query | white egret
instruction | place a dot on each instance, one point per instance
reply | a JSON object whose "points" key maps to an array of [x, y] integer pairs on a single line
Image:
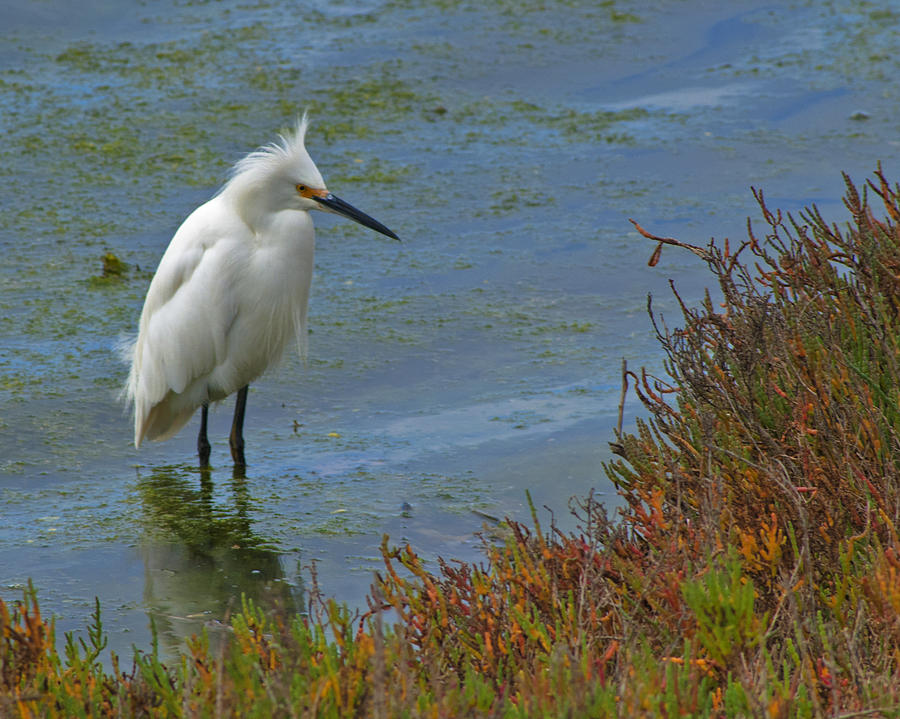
{"points": [[230, 293]]}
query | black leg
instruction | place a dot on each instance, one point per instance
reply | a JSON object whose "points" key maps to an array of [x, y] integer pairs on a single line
{"points": [[237, 428], [202, 441]]}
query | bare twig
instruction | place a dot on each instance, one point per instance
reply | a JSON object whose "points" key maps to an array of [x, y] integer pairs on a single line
{"points": [[622, 398], [704, 255]]}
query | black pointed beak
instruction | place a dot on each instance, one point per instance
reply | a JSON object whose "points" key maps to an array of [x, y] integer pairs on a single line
{"points": [[338, 206]]}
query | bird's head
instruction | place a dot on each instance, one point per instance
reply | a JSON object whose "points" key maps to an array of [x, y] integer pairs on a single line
{"points": [[284, 176]]}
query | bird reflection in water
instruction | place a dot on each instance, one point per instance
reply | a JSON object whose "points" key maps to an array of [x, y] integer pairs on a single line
{"points": [[201, 555]]}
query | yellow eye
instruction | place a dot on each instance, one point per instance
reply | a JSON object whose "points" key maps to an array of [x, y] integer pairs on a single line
{"points": [[301, 189]]}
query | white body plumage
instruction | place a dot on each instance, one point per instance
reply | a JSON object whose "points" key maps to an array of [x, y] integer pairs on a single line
{"points": [[232, 289]]}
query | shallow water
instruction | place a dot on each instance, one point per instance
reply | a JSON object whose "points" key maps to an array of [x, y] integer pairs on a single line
{"points": [[507, 144]]}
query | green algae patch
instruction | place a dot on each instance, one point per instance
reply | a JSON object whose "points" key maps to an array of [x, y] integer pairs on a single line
{"points": [[371, 171], [113, 266], [518, 122]]}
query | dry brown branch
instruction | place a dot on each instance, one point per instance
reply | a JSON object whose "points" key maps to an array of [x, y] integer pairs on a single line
{"points": [[703, 254]]}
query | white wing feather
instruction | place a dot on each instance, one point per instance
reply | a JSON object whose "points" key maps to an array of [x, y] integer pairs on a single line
{"points": [[210, 325], [183, 328]]}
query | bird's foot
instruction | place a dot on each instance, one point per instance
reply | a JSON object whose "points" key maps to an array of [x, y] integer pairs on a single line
{"points": [[237, 452], [203, 450]]}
